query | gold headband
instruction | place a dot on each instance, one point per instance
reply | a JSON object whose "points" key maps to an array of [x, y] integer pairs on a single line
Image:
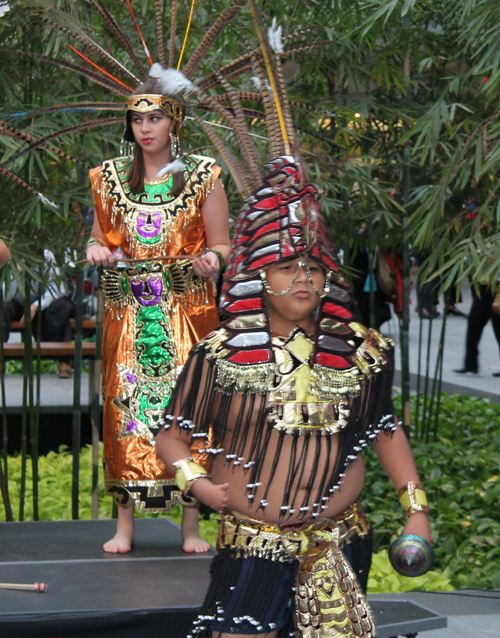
{"points": [[152, 102]]}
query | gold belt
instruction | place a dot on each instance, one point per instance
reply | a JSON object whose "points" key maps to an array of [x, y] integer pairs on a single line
{"points": [[251, 537], [329, 601]]}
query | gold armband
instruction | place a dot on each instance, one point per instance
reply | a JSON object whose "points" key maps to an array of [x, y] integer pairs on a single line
{"points": [[188, 472], [413, 499]]}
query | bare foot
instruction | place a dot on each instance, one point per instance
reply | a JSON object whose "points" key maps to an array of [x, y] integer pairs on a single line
{"points": [[194, 543], [122, 541], [190, 527]]}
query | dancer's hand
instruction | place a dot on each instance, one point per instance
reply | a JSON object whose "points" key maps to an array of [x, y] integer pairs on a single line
{"points": [[215, 496], [98, 255], [418, 524], [207, 265]]}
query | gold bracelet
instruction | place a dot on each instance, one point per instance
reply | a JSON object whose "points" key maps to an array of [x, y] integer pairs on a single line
{"points": [[96, 240], [188, 473], [413, 499]]}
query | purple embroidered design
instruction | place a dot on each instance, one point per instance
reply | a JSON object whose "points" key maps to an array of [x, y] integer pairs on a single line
{"points": [[147, 292], [148, 224]]}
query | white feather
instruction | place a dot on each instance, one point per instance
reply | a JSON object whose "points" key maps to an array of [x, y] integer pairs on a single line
{"points": [[256, 81], [172, 167], [172, 82], [274, 36], [4, 7], [47, 202]]}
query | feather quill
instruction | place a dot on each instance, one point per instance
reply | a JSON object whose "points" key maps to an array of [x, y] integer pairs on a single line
{"points": [[4, 171], [244, 63], [118, 33], [92, 46], [211, 36], [241, 131], [159, 33], [90, 75], [9, 131], [230, 160], [77, 106], [65, 131], [173, 29]]}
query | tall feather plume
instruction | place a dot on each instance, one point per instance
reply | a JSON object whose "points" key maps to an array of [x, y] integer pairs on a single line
{"points": [[92, 46], [159, 33], [90, 75], [268, 62], [118, 33], [276, 145], [276, 44], [241, 130], [211, 36], [230, 160], [65, 131], [173, 29], [9, 131]]}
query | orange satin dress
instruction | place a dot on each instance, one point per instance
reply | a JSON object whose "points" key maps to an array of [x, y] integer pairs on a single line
{"points": [[154, 313]]}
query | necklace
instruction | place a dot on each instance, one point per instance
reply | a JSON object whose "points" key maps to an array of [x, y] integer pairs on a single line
{"points": [[155, 182]]}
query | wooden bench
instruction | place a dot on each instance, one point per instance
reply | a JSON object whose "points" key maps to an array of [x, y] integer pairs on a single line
{"points": [[50, 350], [88, 324]]}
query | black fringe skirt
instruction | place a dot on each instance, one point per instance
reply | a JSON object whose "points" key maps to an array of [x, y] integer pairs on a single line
{"points": [[255, 596]]}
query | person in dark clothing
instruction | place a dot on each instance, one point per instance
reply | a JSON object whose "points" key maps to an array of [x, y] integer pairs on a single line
{"points": [[480, 313], [57, 308]]}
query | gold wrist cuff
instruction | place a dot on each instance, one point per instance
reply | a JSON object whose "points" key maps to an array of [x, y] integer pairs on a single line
{"points": [[187, 473], [413, 499]]}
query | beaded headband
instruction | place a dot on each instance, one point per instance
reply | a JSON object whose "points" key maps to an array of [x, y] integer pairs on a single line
{"points": [[153, 102]]}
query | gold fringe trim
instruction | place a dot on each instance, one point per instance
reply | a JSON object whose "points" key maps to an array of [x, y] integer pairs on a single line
{"points": [[244, 379]]}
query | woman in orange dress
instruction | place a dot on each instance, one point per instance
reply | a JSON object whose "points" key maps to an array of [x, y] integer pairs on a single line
{"points": [[155, 309]]}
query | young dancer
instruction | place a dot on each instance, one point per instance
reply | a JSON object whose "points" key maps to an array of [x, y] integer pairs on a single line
{"points": [[286, 394], [156, 309]]}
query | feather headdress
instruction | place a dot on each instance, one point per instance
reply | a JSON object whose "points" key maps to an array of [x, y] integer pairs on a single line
{"points": [[101, 65]]}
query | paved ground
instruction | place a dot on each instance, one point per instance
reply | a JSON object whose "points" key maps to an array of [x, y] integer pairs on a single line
{"points": [[471, 613], [482, 384]]}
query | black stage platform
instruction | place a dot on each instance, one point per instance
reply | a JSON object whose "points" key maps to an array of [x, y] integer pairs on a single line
{"points": [[153, 591]]}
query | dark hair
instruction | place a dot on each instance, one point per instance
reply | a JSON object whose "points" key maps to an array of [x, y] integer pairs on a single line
{"points": [[137, 170]]}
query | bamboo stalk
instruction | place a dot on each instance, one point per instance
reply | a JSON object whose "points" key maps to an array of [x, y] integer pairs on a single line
{"points": [[439, 371], [405, 323], [77, 377], [38, 587], [28, 350], [95, 408], [35, 411], [4, 476], [417, 406], [426, 385]]}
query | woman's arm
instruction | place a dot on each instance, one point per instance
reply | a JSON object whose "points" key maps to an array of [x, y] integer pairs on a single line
{"points": [[4, 252], [98, 254], [395, 456], [215, 213]]}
